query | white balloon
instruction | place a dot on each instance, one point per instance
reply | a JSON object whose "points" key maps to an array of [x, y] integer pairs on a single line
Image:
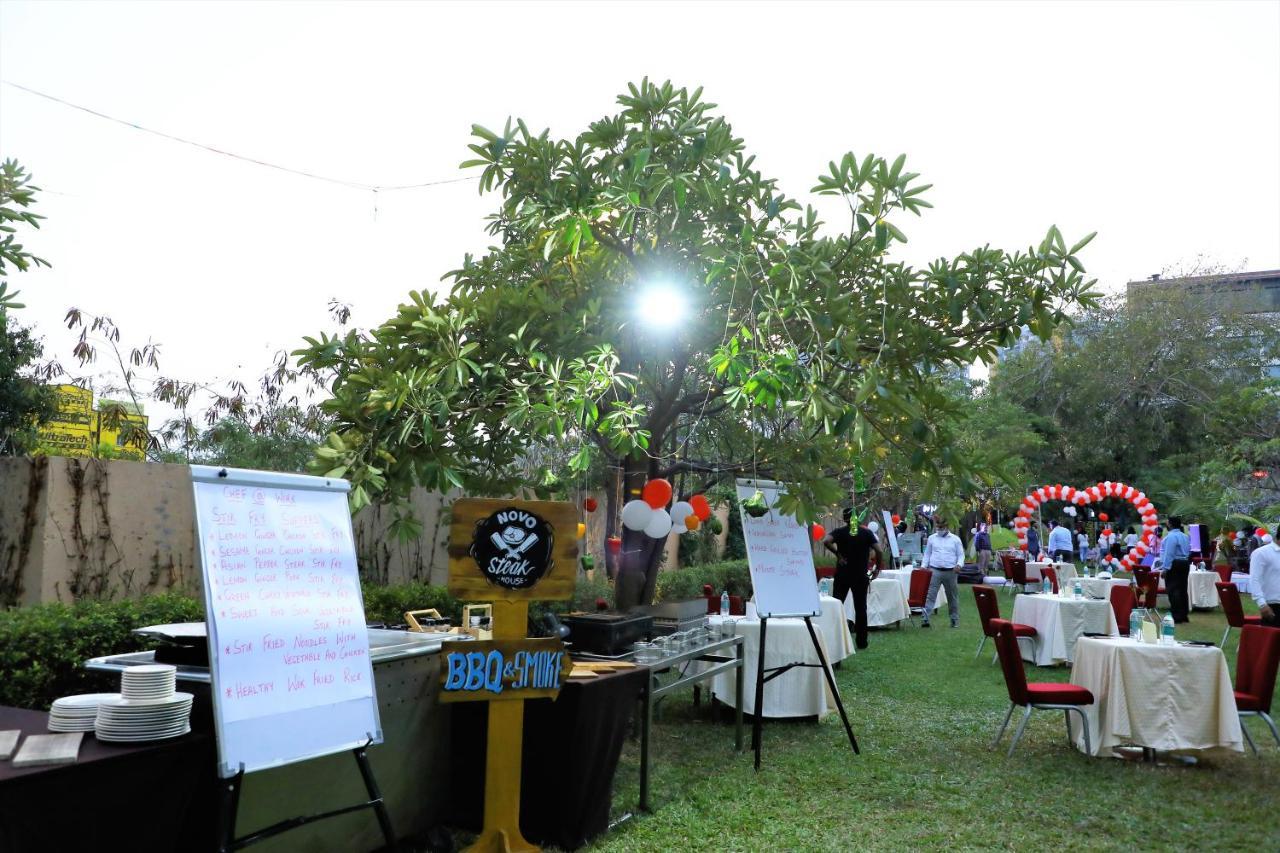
{"points": [[873, 526], [659, 525], [680, 510], [636, 515]]}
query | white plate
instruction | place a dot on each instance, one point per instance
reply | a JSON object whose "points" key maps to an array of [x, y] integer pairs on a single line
{"points": [[84, 700], [139, 739], [152, 669], [147, 703], [71, 726], [112, 725]]}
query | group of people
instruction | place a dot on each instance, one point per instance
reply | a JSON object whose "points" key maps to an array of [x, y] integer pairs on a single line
{"points": [[1066, 545], [944, 556]]}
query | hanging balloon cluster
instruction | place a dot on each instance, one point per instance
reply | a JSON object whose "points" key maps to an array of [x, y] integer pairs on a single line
{"points": [[648, 514], [1083, 497]]}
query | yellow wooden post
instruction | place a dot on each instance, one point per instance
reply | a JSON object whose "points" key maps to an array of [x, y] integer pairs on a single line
{"points": [[504, 757]]}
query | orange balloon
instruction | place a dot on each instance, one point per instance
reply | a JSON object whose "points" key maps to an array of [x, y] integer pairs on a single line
{"points": [[656, 493], [701, 506], [692, 522]]}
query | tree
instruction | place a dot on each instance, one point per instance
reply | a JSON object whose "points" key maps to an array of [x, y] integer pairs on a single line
{"points": [[803, 350], [25, 402], [286, 441]]}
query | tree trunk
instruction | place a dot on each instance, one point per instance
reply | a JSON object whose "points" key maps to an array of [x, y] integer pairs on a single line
{"points": [[637, 567]]}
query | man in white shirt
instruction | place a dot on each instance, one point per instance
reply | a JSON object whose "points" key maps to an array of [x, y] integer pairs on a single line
{"points": [[1264, 577], [943, 556], [1060, 544]]}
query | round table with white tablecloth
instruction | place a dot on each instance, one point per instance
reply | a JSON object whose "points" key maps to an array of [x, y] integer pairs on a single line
{"points": [[1243, 583], [1201, 590], [886, 603], [903, 577], [1170, 698], [1101, 587], [1059, 621], [801, 691], [1064, 571]]}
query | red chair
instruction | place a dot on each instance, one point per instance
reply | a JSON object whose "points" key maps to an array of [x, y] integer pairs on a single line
{"points": [[1051, 696], [826, 572], [1052, 574], [1256, 662], [1018, 573], [1230, 598], [989, 611], [919, 591], [1224, 572], [737, 607], [1123, 602], [1148, 591]]}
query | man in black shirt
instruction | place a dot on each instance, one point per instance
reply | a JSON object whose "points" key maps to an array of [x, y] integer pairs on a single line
{"points": [[853, 547]]}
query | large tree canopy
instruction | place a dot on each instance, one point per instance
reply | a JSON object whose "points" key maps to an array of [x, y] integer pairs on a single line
{"points": [[806, 348]]}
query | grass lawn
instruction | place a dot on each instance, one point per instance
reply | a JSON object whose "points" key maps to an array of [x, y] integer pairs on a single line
{"points": [[924, 712]]}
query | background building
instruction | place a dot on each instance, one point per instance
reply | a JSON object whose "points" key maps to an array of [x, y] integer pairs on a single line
{"points": [[114, 429]]}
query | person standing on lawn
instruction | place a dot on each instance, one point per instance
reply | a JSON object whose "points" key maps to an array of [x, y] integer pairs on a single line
{"points": [[1264, 575], [1175, 556], [1061, 548], [852, 547], [982, 545], [943, 555]]}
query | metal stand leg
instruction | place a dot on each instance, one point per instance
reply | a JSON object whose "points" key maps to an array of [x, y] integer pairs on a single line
{"points": [[228, 805], [831, 683], [756, 734], [375, 797], [1266, 718], [1248, 737], [737, 690], [646, 716]]}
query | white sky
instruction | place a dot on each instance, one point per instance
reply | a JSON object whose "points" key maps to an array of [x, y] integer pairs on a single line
{"points": [[1156, 124]]}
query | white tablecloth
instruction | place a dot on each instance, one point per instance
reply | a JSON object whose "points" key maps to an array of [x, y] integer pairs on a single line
{"points": [[886, 603], [1101, 587], [1065, 571], [1059, 621], [1243, 583], [903, 577], [1201, 589], [1170, 698], [801, 691]]}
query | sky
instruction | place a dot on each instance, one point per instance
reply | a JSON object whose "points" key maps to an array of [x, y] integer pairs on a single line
{"points": [[1155, 124]]}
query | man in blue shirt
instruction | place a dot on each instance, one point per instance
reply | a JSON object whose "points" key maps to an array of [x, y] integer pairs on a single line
{"points": [[1061, 548], [1175, 556]]}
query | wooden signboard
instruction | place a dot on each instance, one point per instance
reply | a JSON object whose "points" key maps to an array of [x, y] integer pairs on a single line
{"points": [[495, 670], [509, 550]]}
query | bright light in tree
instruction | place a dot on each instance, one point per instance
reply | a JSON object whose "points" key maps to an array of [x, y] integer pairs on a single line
{"points": [[661, 306]]}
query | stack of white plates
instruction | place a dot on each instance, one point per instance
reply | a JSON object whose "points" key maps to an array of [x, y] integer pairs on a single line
{"points": [[77, 713], [130, 720], [150, 681]]}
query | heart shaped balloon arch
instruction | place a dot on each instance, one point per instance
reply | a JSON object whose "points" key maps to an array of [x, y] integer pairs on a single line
{"points": [[1083, 497]]}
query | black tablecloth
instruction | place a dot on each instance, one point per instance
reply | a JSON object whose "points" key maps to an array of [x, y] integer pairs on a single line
{"points": [[139, 797], [571, 749]]}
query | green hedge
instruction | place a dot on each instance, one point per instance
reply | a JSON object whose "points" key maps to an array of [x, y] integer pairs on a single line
{"points": [[687, 582], [43, 648]]}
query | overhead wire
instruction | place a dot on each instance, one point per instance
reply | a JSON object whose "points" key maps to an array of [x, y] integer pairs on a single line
{"points": [[356, 185]]}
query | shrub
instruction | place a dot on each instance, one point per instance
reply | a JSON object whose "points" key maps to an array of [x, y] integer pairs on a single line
{"points": [[388, 604], [43, 648], [687, 582]]}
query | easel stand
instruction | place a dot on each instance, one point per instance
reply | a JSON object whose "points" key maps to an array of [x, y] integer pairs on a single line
{"points": [[757, 727], [229, 803]]}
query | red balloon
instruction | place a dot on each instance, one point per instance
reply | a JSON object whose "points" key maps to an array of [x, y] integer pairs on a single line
{"points": [[1102, 516], [819, 532], [1261, 531], [656, 493], [897, 519], [590, 504], [1106, 531], [701, 507]]}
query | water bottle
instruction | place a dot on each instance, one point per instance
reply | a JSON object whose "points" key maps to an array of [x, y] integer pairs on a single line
{"points": [[1045, 586], [724, 603], [1086, 571], [1135, 625], [1167, 630], [1079, 589]]}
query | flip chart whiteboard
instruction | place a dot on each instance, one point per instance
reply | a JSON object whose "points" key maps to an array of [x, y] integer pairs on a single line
{"points": [[780, 556], [288, 646], [892, 533]]}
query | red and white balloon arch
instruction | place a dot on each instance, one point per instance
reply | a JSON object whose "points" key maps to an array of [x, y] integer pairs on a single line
{"points": [[1084, 497]]}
